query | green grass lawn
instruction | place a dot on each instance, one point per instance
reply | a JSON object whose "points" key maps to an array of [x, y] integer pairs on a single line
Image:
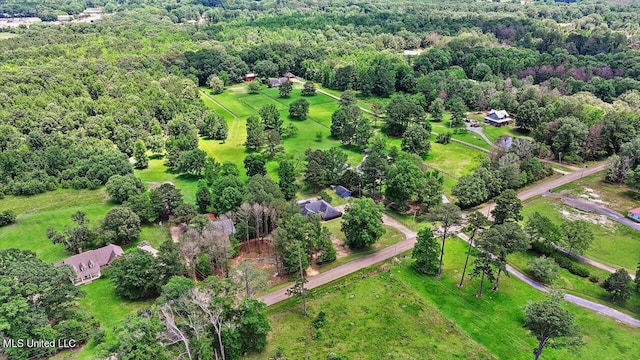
{"points": [[469, 136], [102, 302], [367, 316], [377, 317], [579, 286], [454, 159], [37, 212], [615, 245], [617, 197], [5, 35], [495, 320], [493, 132], [157, 172], [391, 237]]}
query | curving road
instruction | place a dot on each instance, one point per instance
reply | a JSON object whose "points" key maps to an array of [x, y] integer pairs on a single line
{"points": [[355, 265], [593, 306], [409, 241]]}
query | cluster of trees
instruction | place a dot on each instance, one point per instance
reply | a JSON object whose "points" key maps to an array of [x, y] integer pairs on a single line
{"points": [[266, 131], [46, 12], [348, 124], [39, 302], [624, 167], [493, 241], [510, 168], [210, 319]]}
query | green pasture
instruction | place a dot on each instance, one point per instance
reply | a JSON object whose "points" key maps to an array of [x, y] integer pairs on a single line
{"points": [[495, 320], [411, 314], [369, 316], [453, 158], [615, 244], [52, 209], [157, 172]]}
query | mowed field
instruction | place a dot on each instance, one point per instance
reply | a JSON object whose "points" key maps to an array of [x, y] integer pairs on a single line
{"points": [[235, 105], [4, 35], [411, 314]]}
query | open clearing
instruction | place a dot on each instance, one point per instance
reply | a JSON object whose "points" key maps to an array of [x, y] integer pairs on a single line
{"points": [[617, 197], [614, 244], [5, 35], [494, 321]]}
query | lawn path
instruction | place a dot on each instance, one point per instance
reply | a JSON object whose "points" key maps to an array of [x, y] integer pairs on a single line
{"points": [[236, 120], [286, 106], [408, 243]]}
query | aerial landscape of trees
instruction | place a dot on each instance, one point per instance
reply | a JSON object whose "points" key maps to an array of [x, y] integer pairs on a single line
{"points": [[159, 126]]}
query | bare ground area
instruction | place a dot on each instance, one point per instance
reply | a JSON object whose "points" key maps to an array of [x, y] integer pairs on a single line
{"points": [[597, 219]]}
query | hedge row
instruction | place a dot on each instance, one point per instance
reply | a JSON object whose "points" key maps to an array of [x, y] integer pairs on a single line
{"points": [[560, 258]]}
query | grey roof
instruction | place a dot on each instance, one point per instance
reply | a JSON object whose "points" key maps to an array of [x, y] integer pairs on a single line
{"points": [[320, 207], [225, 226], [342, 191], [278, 81], [89, 262]]}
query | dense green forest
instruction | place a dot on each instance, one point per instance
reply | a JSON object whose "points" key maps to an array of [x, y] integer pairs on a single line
{"points": [[81, 95], [84, 106]]}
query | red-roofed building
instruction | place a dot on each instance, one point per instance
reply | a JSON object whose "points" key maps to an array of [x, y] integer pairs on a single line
{"points": [[211, 216], [634, 214]]}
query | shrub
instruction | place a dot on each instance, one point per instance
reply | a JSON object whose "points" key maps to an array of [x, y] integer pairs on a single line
{"points": [[325, 196], [7, 217], [594, 279], [580, 271], [320, 321], [544, 269]]}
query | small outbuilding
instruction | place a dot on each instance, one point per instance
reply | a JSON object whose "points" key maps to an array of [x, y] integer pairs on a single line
{"points": [[250, 77], [634, 214], [498, 118], [342, 191]]}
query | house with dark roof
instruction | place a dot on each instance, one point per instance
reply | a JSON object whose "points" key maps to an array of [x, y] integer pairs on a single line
{"points": [[87, 265], [276, 82], [342, 191], [498, 118], [318, 207], [634, 214]]}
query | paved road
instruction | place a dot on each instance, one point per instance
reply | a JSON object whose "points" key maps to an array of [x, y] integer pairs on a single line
{"points": [[599, 308], [589, 206], [478, 130], [546, 186], [352, 266], [586, 205], [408, 242]]}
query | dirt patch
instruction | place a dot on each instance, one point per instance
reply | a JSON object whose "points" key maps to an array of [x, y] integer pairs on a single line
{"points": [[592, 196], [572, 214], [342, 250], [176, 231], [240, 89]]}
